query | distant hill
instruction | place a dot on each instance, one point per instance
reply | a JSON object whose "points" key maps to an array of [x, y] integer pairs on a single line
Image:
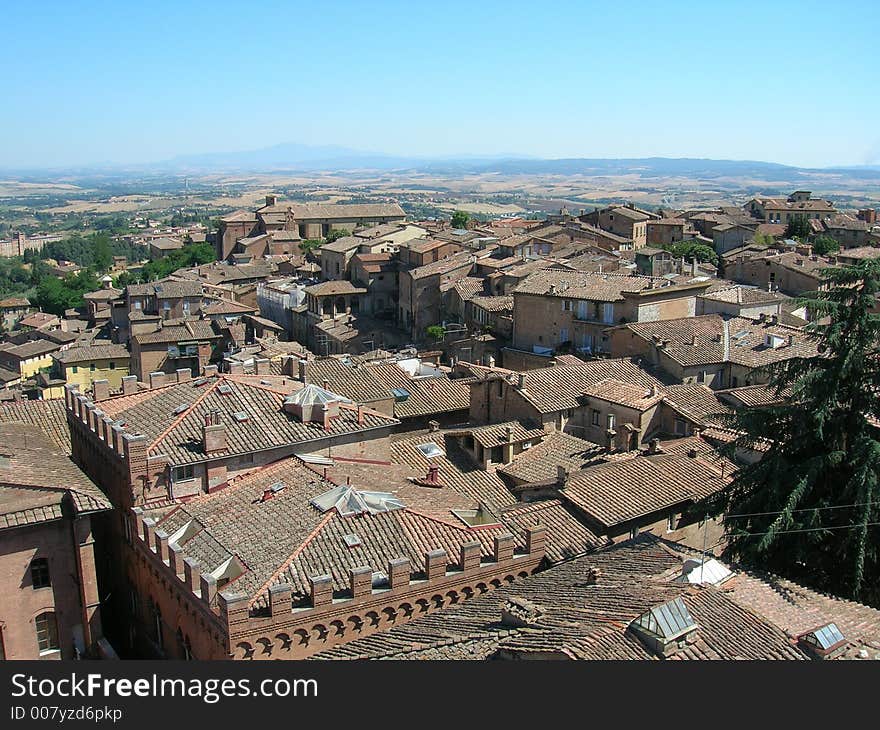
{"points": [[329, 158]]}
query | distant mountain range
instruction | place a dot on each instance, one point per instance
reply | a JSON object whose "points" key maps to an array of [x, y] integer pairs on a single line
{"points": [[330, 158], [306, 158]]}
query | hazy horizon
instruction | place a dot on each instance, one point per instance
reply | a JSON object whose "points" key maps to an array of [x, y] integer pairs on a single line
{"points": [[144, 85]]}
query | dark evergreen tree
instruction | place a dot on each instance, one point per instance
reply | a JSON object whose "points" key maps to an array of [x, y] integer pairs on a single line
{"points": [[809, 508]]}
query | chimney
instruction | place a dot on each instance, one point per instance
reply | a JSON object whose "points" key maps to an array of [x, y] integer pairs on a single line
{"points": [[433, 475], [521, 381], [561, 475], [360, 414], [100, 390], [790, 340], [213, 433], [271, 200], [654, 446], [433, 426], [593, 575], [508, 434], [301, 369], [325, 411], [325, 384], [157, 379]]}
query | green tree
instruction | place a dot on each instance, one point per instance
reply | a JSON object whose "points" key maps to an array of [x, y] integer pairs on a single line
{"points": [[435, 332], [55, 295], [798, 227], [809, 508], [309, 244], [460, 219], [193, 254], [335, 235], [690, 250], [823, 245]]}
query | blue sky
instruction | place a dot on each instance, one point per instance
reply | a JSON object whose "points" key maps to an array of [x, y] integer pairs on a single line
{"points": [[790, 82]]}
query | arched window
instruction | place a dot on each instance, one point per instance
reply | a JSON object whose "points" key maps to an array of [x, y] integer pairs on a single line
{"points": [[40, 573], [155, 617], [47, 631], [184, 648]]}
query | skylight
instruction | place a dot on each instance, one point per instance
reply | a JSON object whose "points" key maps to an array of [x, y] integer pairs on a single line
{"points": [[241, 416], [825, 637], [225, 389], [666, 621], [709, 572], [181, 408], [430, 450], [349, 501], [351, 540]]}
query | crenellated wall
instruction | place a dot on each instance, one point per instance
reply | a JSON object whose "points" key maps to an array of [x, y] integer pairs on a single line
{"points": [[285, 631]]}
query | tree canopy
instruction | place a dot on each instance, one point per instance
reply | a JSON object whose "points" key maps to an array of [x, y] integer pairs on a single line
{"points": [[809, 509], [460, 219], [55, 295], [192, 254], [336, 234], [798, 227], [825, 244], [691, 249]]}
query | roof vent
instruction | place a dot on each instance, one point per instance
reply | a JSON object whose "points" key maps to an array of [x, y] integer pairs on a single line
{"points": [[265, 382], [823, 642], [199, 382], [667, 628], [241, 416], [180, 409]]}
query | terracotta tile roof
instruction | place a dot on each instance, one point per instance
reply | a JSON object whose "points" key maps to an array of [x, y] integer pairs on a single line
{"points": [[743, 295], [332, 288], [540, 462], [35, 476], [226, 306], [493, 304], [366, 383], [619, 491], [625, 394], [308, 211], [14, 303], [462, 260], [49, 416], [567, 537], [558, 388], [190, 330], [696, 401], [179, 435], [582, 619], [287, 539], [458, 472], [34, 348], [343, 244], [710, 339], [38, 319], [585, 285], [468, 287], [497, 433], [166, 289], [93, 352], [751, 396]]}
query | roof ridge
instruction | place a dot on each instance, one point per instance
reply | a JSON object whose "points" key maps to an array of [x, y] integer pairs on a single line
{"points": [[293, 556], [176, 422], [433, 518]]}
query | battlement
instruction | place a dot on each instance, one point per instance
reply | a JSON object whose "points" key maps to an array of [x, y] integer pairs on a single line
{"points": [[287, 631]]}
